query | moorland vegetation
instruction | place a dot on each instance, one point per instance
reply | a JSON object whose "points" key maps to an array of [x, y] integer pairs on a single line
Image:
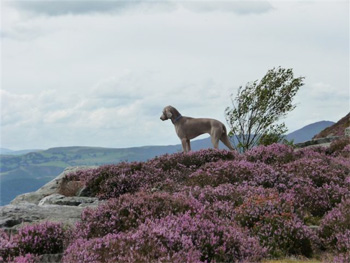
{"points": [[206, 206]]}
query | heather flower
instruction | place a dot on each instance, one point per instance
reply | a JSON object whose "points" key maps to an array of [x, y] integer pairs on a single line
{"points": [[8, 246], [234, 172], [208, 206], [342, 258], [339, 147], [44, 238], [111, 181], [271, 154], [335, 228], [129, 211], [256, 207], [27, 258], [271, 218], [285, 234], [174, 238]]}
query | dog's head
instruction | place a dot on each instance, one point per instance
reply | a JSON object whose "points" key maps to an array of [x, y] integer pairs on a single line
{"points": [[167, 113]]}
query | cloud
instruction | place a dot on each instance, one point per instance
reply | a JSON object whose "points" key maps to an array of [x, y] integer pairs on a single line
{"points": [[119, 111], [76, 7], [238, 7], [91, 78], [55, 8]]}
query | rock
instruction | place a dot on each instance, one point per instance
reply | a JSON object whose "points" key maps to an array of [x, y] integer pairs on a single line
{"points": [[14, 216], [45, 204], [58, 199], [51, 258], [50, 188], [324, 142], [347, 131]]}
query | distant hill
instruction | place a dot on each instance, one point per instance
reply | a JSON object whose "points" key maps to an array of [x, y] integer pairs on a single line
{"points": [[5, 151], [28, 172], [338, 129], [306, 133]]}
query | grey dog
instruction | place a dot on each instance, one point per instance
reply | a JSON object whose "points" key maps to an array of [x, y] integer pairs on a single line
{"points": [[188, 128]]}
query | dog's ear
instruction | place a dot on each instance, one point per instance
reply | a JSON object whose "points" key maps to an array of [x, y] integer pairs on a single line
{"points": [[168, 114]]}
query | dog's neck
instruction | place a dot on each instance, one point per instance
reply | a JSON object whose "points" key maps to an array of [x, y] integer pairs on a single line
{"points": [[175, 120]]}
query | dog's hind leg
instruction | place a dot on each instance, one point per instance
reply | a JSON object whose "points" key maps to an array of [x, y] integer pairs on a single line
{"points": [[224, 138], [215, 141]]}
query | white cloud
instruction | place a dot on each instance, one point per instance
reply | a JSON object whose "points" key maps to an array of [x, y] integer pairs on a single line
{"points": [[56, 8], [102, 78]]}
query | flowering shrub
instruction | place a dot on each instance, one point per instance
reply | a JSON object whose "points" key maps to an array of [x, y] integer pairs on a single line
{"points": [[272, 219], [30, 241], [335, 228], [339, 147], [233, 172], [342, 258], [271, 154], [27, 258], [255, 208], [44, 238], [285, 235], [192, 159], [317, 183], [8, 247], [129, 211], [180, 238], [111, 181], [205, 206]]}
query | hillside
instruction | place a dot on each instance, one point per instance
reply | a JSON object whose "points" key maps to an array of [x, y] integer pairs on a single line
{"points": [[204, 206], [308, 132], [4, 151], [27, 172], [336, 129]]}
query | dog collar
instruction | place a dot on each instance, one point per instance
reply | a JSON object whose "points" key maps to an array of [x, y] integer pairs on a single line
{"points": [[178, 118]]}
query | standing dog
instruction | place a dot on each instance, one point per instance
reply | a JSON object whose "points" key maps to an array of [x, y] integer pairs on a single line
{"points": [[188, 128]]}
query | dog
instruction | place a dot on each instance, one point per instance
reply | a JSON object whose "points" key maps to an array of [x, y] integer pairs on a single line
{"points": [[188, 128]]}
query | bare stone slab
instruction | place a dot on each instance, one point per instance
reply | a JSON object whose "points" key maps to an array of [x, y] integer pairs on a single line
{"points": [[45, 204]]}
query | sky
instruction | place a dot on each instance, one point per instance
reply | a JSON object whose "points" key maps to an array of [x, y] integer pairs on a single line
{"points": [[99, 73]]}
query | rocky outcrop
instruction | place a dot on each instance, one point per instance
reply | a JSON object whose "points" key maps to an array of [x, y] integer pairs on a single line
{"points": [[45, 204]]}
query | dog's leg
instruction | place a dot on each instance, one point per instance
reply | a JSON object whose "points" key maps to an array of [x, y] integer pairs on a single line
{"points": [[188, 145], [224, 138], [215, 141]]}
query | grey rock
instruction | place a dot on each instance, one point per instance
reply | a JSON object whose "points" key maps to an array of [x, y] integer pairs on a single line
{"points": [[45, 204], [347, 131], [51, 258], [84, 192], [58, 199], [324, 142], [50, 188], [14, 216]]}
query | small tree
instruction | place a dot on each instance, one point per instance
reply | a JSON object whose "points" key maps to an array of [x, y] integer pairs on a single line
{"points": [[258, 107]]}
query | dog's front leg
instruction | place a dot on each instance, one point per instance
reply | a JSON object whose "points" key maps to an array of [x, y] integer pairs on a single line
{"points": [[186, 147]]}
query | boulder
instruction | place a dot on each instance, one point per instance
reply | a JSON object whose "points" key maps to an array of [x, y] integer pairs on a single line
{"points": [[58, 199], [50, 188], [14, 216], [45, 204]]}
